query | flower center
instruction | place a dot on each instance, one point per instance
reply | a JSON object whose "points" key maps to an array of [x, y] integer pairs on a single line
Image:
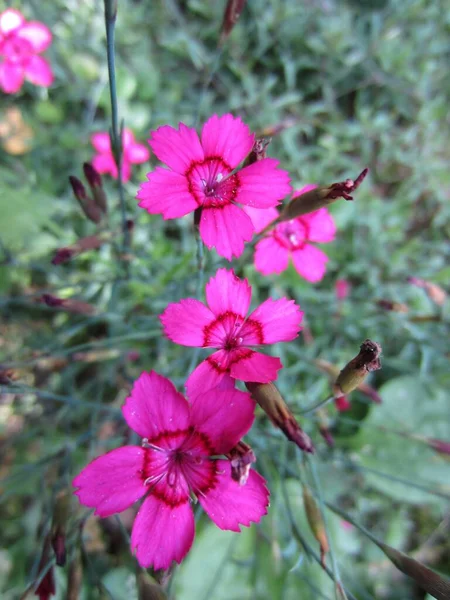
{"points": [[211, 184], [16, 50], [177, 464], [292, 234], [231, 331]]}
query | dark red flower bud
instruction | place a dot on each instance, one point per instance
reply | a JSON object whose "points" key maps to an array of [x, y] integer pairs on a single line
{"points": [[273, 404], [62, 255], [241, 458], [96, 185], [354, 372], [88, 206], [440, 446], [231, 16], [52, 301], [46, 587]]}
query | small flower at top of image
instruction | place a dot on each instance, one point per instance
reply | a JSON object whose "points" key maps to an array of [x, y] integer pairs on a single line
{"points": [[224, 324], [176, 462], [202, 174], [21, 43], [132, 153], [292, 239]]}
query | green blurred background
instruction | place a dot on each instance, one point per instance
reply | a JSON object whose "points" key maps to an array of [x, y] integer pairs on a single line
{"points": [[353, 84]]}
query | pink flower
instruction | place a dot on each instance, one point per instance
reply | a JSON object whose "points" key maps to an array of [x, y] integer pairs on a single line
{"points": [[133, 153], [21, 42], [224, 324], [201, 174], [342, 289], [175, 461], [291, 239]]}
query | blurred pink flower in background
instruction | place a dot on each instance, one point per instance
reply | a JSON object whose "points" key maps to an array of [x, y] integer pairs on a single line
{"points": [[342, 289], [224, 324], [21, 42], [133, 153], [292, 239], [201, 174], [174, 462]]}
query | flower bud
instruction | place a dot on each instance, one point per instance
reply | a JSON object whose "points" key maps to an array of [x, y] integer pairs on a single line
{"points": [[273, 404], [46, 587], [434, 291], [315, 522], [259, 151], [321, 196], [342, 403], [439, 445], [88, 206], [231, 16], [393, 306], [70, 305], [58, 530], [354, 372], [241, 458], [95, 183]]}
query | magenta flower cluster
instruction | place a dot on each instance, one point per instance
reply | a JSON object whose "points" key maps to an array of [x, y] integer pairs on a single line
{"points": [[186, 443]]}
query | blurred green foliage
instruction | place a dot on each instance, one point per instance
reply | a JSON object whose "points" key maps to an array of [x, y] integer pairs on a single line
{"points": [[360, 83]]}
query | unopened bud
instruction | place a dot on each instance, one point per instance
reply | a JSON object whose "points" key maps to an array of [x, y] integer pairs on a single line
{"points": [[364, 388], [342, 403], [259, 151], [68, 305], [354, 372], [95, 183], [231, 16], [58, 530], [241, 458], [434, 291], [273, 404], [315, 522], [440, 446], [46, 587], [88, 206], [321, 196], [90, 242], [393, 306], [62, 255]]}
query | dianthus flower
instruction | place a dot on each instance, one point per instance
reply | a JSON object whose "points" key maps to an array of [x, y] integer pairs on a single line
{"points": [[291, 239], [224, 324], [202, 175], [21, 42], [175, 461], [132, 153]]}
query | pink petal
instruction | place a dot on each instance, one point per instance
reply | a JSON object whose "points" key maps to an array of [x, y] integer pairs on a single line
{"points": [[280, 320], [112, 482], [184, 322], [166, 193], [155, 406], [137, 153], [101, 142], [127, 138], [209, 375], [227, 229], [261, 217], [321, 226], [310, 262], [38, 34], [126, 170], [162, 533], [303, 190], [270, 256], [256, 367], [11, 77], [224, 416], [10, 19], [227, 137], [230, 505], [263, 185], [178, 149], [104, 163], [39, 72], [226, 292]]}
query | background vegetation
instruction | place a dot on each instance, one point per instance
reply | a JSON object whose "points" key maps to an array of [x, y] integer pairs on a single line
{"points": [[356, 83]]}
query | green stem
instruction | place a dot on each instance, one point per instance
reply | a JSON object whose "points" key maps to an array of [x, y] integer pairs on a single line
{"points": [[115, 134]]}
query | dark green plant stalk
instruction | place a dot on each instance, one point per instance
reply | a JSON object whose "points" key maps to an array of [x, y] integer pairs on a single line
{"points": [[115, 134]]}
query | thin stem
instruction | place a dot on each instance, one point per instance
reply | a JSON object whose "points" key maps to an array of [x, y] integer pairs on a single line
{"points": [[115, 134]]}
